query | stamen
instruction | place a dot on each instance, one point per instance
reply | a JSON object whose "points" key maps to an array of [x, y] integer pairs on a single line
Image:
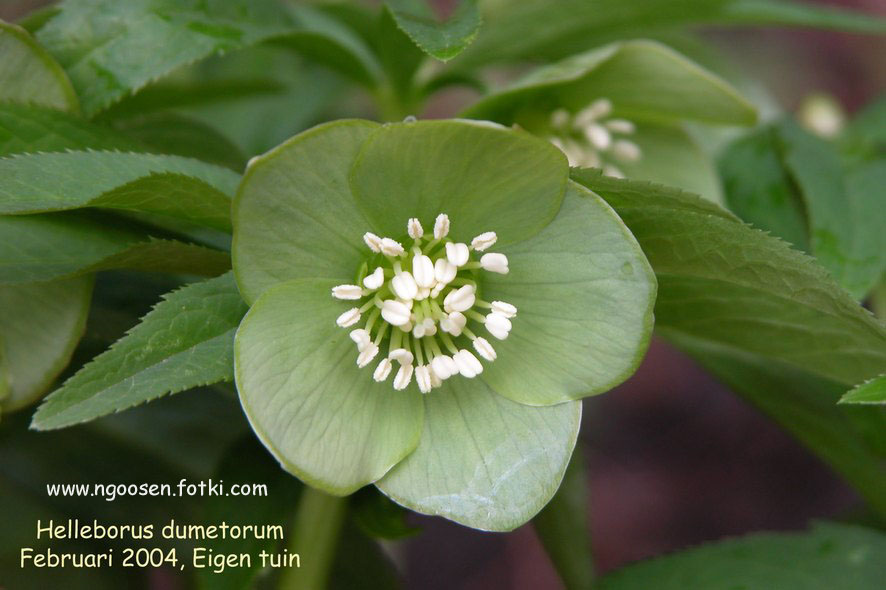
{"points": [[394, 312], [375, 280], [423, 378], [360, 337], [402, 356], [404, 286], [620, 126], [626, 151], [423, 271], [444, 271], [467, 364], [348, 318], [484, 241], [441, 226], [350, 292], [373, 241], [367, 354], [505, 309], [494, 262], [454, 323], [498, 325], [482, 346], [461, 299], [413, 226], [391, 247], [382, 370], [457, 253], [403, 377]]}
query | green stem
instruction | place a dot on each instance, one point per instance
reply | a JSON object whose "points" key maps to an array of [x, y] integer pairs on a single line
{"points": [[315, 533]]}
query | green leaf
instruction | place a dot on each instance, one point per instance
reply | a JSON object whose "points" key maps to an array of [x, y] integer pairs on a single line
{"points": [[584, 294], [424, 168], [184, 342], [828, 556], [520, 29], [869, 392], [846, 214], [102, 44], [40, 324], [165, 185], [179, 135], [28, 73], [60, 245], [849, 439], [483, 460], [321, 416], [645, 81], [442, 40], [562, 527], [722, 281], [760, 191], [294, 216], [31, 128]]}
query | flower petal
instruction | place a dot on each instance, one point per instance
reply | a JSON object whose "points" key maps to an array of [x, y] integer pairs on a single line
{"points": [[484, 461], [485, 177], [324, 419], [585, 292], [294, 216]]}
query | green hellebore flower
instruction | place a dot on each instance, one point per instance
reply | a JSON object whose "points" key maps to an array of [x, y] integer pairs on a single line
{"points": [[355, 241]]}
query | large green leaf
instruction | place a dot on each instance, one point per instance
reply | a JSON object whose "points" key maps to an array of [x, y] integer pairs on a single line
{"points": [[585, 294], [59, 245], [294, 216], [869, 392], [28, 73], [846, 213], [722, 281], [186, 341], [483, 460], [520, 29], [40, 324], [484, 176], [828, 556], [103, 44], [760, 191], [165, 185], [849, 439], [31, 128], [442, 40], [645, 80], [321, 416]]}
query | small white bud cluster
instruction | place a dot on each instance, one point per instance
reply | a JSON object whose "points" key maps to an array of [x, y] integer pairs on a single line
{"points": [[417, 300], [590, 138]]}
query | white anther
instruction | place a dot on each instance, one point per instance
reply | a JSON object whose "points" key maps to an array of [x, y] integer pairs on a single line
{"points": [[560, 118], [360, 338], [403, 377], [430, 327], [404, 287], [394, 313], [613, 171], [505, 309], [444, 271], [454, 323], [347, 292], [407, 302], [401, 355], [375, 280], [596, 110], [482, 346], [348, 318], [367, 354], [498, 325], [494, 262], [413, 226], [407, 327], [391, 247], [467, 364], [590, 159], [441, 226], [423, 378], [444, 367], [418, 330], [620, 126], [461, 299], [599, 136], [423, 271], [423, 293], [382, 370], [437, 290], [373, 241], [626, 151], [484, 241], [457, 253], [435, 381]]}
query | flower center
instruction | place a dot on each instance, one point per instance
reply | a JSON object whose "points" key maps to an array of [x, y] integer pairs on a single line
{"points": [[591, 138], [423, 302]]}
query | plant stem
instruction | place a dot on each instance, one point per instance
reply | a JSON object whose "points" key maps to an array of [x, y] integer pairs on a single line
{"points": [[315, 533]]}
